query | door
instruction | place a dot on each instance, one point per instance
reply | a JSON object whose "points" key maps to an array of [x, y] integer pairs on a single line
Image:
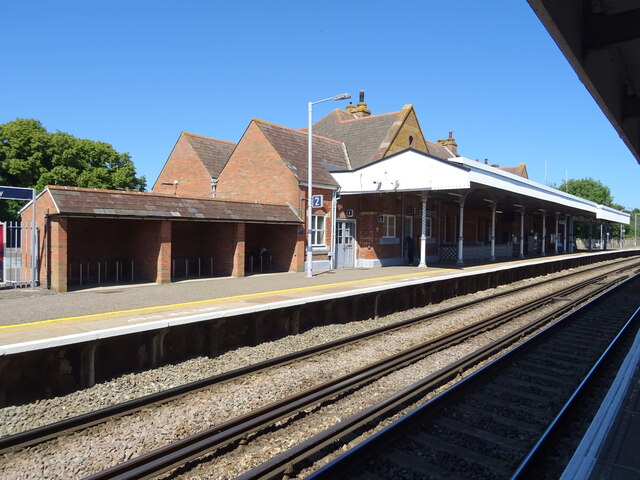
{"points": [[345, 249], [409, 252]]}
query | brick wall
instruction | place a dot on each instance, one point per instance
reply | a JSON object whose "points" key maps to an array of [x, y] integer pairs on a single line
{"points": [[105, 250], [410, 128], [58, 254], [272, 248], [184, 166], [256, 173], [150, 247], [212, 243], [47, 255]]}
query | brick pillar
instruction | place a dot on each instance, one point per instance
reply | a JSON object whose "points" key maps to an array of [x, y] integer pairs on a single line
{"points": [[163, 274], [238, 254], [58, 255]]}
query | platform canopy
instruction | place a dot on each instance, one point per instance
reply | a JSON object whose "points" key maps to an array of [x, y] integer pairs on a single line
{"points": [[480, 185], [409, 170]]}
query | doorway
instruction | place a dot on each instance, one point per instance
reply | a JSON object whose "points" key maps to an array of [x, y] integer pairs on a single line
{"points": [[345, 248]]}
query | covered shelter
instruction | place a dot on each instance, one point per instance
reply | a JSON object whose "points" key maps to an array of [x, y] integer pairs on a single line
{"points": [[93, 236]]}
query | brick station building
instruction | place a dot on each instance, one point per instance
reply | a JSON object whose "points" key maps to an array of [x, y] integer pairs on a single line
{"points": [[389, 197]]}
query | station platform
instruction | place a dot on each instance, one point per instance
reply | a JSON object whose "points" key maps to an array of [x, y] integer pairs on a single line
{"points": [[39, 319], [34, 319]]}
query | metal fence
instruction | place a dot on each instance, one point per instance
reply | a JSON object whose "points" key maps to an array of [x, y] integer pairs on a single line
{"points": [[18, 267]]}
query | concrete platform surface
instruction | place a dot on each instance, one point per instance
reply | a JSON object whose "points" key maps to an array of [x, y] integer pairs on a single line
{"points": [[36, 319]]}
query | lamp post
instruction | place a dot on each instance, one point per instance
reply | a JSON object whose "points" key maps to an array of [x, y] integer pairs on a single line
{"points": [[309, 267]]}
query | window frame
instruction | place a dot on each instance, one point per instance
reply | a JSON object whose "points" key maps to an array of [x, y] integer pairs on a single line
{"points": [[386, 226], [315, 231]]}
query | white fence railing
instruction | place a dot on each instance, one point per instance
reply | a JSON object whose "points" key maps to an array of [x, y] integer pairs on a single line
{"points": [[17, 266]]}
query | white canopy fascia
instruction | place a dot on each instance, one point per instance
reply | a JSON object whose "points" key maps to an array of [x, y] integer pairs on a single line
{"points": [[499, 179], [409, 170]]}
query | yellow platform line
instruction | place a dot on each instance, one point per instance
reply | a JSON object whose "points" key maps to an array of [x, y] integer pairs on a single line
{"points": [[217, 300]]}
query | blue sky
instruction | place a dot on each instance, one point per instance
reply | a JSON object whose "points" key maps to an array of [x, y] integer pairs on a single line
{"points": [[136, 73]]}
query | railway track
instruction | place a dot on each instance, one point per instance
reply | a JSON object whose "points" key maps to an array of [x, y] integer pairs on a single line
{"points": [[80, 422], [228, 435], [494, 424], [238, 430]]}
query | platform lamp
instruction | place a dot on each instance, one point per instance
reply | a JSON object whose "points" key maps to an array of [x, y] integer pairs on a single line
{"points": [[309, 267]]}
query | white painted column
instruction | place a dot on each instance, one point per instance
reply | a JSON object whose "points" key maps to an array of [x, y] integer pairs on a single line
{"points": [[461, 235], [423, 236], [522, 233], [556, 242], [565, 238], [590, 236], [493, 233], [544, 233], [570, 239]]}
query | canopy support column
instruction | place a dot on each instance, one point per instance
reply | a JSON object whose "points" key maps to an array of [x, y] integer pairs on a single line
{"points": [[544, 233], [571, 242], [423, 236], [522, 233], [556, 248], [461, 234], [493, 233]]}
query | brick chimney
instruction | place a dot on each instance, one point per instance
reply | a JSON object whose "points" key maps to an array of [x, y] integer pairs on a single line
{"points": [[359, 110], [450, 143]]}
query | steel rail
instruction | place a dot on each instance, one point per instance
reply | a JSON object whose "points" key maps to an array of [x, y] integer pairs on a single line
{"points": [[525, 466], [73, 424], [194, 446], [349, 461], [286, 462]]}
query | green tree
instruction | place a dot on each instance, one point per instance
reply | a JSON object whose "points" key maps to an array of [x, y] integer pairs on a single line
{"points": [[32, 157], [595, 191], [589, 189]]}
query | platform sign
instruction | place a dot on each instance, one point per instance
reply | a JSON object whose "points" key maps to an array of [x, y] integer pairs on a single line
{"points": [[16, 193], [317, 201]]}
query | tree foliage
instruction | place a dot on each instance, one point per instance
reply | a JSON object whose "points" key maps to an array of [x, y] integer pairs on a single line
{"points": [[589, 189], [32, 157], [595, 191]]}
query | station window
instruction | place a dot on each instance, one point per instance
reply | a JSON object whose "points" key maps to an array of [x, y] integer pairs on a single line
{"points": [[318, 230], [389, 226], [429, 232]]}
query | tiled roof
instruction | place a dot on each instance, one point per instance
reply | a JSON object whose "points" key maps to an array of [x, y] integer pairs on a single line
{"points": [[367, 139], [438, 150], [292, 146], [212, 153], [73, 201], [520, 170]]}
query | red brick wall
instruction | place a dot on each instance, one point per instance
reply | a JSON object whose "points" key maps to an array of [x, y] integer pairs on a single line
{"points": [[256, 173], [208, 242], [239, 253], [47, 255], [138, 246], [150, 244], [184, 166], [271, 247], [58, 254]]}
